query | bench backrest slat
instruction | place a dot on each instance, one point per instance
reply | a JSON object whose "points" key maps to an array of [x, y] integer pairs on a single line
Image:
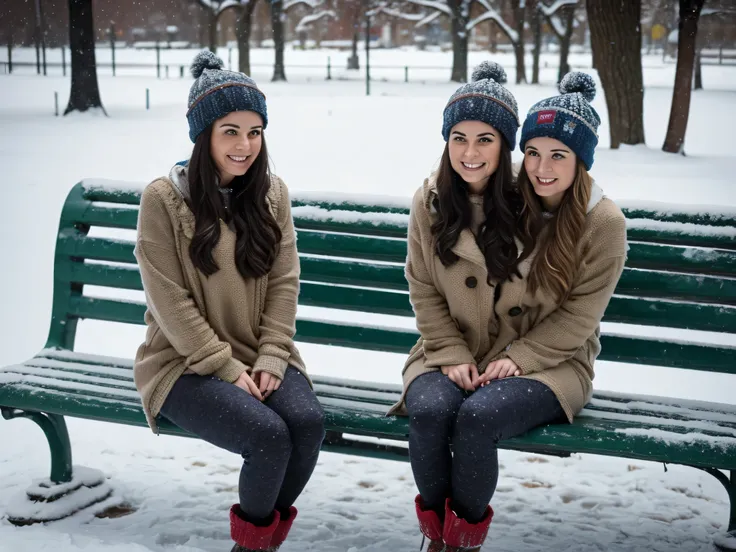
{"points": [[680, 273]]}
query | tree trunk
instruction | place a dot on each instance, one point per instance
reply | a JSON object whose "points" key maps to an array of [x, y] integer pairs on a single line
{"points": [[519, 15], [674, 142], [243, 28], [616, 41], [698, 81], [212, 30], [353, 61], [85, 92], [277, 25], [492, 42], [459, 43], [569, 18], [537, 29]]}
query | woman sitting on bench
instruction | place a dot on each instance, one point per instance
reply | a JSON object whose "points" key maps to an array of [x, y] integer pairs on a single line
{"points": [[217, 253], [509, 284]]}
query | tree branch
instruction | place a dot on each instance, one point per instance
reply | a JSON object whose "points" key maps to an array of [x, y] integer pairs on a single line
{"points": [[495, 16], [313, 4], [427, 20], [307, 20], [549, 11], [227, 4], [391, 12], [433, 4]]}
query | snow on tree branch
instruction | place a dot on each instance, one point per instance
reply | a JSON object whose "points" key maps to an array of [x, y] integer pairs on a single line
{"points": [[227, 4], [427, 20], [557, 25], [549, 11], [716, 11], [307, 20], [212, 5], [434, 4], [495, 16], [313, 4], [391, 12]]}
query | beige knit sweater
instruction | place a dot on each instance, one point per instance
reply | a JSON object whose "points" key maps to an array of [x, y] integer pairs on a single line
{"points": [[221, 325], [556, 345]]}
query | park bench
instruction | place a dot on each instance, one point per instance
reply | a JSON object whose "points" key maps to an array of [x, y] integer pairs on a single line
{"points": [[680, 274]]}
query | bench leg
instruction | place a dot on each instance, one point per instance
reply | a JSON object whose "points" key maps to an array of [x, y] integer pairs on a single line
{"points": [[54, 427], [727, 541], [68, 490]]}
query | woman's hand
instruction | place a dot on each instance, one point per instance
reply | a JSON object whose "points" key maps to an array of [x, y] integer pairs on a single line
{"points": [[267, 383], [462, 375], [246, 383], [499, 369]]}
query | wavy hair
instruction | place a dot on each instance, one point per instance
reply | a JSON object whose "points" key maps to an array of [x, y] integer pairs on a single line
{"points": [[556, 262], [258, 233], [501, 206]]}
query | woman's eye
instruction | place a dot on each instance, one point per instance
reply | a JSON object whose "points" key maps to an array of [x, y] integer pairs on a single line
{"points": [[486, 140], [231, 132], [558, 156], [255, 133], [459, 139], [531, 153]]}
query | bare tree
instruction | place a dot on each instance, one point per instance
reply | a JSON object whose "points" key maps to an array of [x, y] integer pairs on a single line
{"points": [[461, 25], [243, 27], [212, 9], [690, 10], [536, 24], [85, 91], [279, 8], [616, 40], [561, 18]]}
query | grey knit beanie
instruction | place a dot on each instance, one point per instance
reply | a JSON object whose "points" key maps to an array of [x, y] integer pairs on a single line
{"points": [[568, 117], [217, 92], [484, 99]]}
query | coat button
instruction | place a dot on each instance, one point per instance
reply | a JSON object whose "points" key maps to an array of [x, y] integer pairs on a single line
{"points": [[514, 311], [471, 282]]}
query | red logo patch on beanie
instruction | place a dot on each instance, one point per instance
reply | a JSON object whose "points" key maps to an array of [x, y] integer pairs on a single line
{"points": [[546, 117]]}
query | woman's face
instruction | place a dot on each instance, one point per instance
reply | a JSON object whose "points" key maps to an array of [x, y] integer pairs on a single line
{"points": [[551, 167], [235, 143], [475, 150]]}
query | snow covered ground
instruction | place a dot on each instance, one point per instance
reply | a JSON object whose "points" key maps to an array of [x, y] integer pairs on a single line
{"points": [[327, 136]]}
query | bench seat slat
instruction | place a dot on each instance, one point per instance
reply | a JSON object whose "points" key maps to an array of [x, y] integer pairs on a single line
{"points": [[642, 437]]}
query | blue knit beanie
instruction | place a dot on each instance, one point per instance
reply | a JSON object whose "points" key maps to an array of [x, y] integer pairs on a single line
{"points": [[217, 92], [568, 118], [484, 99]]}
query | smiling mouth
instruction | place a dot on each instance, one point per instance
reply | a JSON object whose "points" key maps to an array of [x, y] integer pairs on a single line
{"points": [[472, 166], [238, 158], [546, 181]]}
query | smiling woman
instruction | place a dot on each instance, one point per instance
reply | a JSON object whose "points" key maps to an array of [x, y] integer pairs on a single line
{"points": [[217, 254]]}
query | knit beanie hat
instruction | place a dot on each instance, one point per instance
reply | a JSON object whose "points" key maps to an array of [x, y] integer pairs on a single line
{"points": [[568, 118], [217, 92], [484, 99]]}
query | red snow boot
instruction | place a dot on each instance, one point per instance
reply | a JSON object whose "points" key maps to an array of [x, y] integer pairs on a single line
{"points": [[462, 536], [430, 525], [282, 530], [249, 537]]}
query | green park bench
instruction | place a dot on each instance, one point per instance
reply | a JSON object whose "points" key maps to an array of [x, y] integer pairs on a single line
{"points": [[680, 273]]}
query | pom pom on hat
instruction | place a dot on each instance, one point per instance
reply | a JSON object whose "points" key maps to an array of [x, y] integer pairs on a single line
{"points": [[489, 70], [205, 60], [578, 82]]}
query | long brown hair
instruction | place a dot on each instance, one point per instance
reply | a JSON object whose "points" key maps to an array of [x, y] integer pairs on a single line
{"points": [[501, 206], [258, 233], [556, 262]]}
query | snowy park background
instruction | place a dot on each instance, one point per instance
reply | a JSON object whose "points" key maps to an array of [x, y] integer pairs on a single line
{"points": [[328, 136]]}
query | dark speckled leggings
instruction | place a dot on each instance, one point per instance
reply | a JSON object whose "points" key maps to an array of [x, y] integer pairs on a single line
{"points": [[278, 439], [443, 417]]}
